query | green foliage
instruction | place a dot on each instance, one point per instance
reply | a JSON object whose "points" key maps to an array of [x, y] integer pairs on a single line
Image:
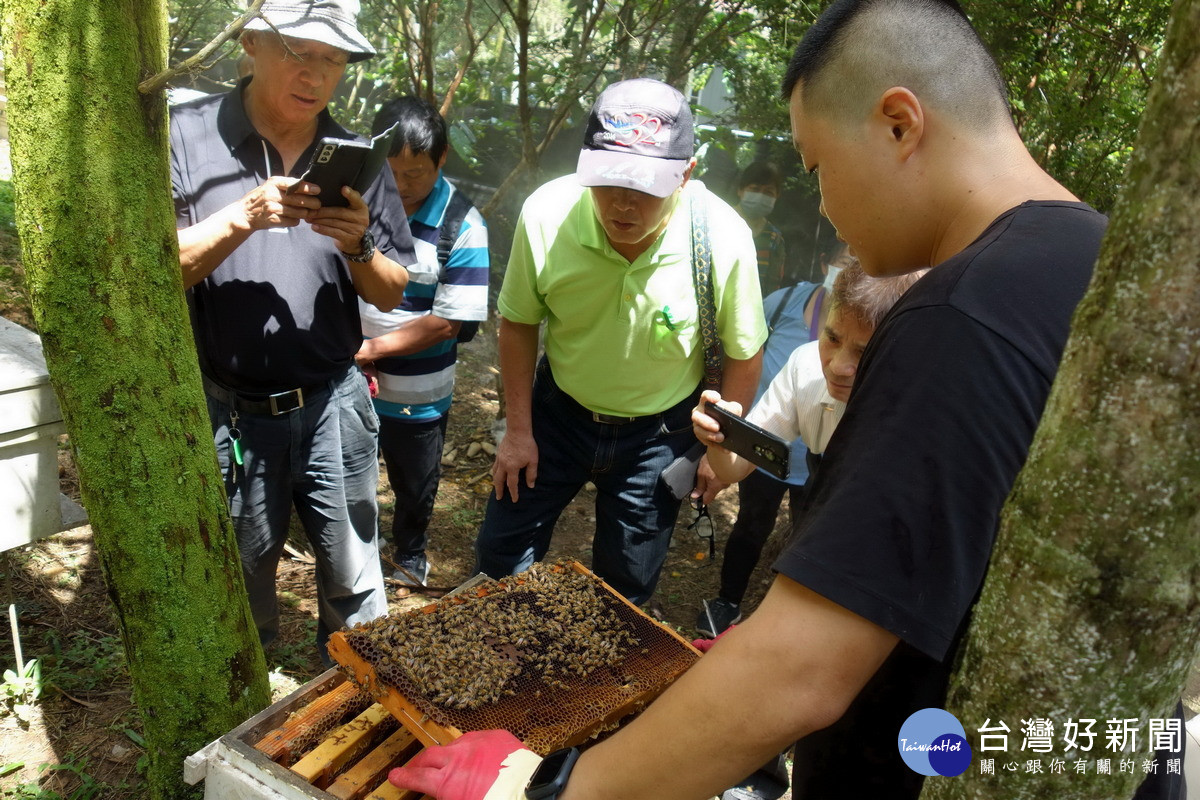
{"points": [[1078, 76], [83, 662], [21, 690], [1078, 73], [85, 787]]}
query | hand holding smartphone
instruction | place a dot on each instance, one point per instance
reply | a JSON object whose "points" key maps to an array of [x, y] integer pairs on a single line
{"points": [[759, 447]]}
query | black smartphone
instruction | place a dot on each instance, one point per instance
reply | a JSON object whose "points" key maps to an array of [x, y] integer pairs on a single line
{"points": [[345, 162], [759, 447]]}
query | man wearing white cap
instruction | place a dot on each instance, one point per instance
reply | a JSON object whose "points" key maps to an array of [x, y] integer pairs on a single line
{"points": [[604, 257], [273, 281]]}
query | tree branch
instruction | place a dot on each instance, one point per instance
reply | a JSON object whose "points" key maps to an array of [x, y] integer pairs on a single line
{"points": [[196, 62]]}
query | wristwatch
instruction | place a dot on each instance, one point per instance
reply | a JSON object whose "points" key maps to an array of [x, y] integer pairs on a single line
{"points": [[550, 778], [366, 250]]}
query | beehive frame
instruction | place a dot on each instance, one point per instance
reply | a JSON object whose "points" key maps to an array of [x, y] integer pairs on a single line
{"points": [[545, 718]]}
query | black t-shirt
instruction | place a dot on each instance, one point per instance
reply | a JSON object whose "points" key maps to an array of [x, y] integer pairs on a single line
{"points": [[905, 507], [281, 311]]}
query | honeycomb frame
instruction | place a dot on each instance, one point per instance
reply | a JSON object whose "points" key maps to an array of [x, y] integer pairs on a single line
{"points": [[575, 709]]}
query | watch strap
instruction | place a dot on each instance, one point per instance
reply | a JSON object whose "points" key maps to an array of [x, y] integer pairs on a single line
{"points": [[366, 249], [550, 778]]}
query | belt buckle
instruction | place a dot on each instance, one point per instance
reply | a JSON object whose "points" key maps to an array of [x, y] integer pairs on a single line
{"points": [[610, 419], [296, 396]]}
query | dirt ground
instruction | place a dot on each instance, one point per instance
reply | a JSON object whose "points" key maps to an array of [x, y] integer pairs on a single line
{"points": [[82, 737]]}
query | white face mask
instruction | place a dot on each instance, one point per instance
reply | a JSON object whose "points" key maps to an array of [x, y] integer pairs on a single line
{"points": [[757, 205], [830, 276]]}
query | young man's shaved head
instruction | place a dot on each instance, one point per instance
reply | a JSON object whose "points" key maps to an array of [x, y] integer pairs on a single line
{"points": [[860, 48]]}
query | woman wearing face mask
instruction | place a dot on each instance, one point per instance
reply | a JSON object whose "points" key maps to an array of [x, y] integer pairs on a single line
{"points": [[758, 189]]}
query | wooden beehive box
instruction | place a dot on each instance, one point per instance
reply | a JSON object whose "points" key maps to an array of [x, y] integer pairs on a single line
{"points": [[324, 741]]}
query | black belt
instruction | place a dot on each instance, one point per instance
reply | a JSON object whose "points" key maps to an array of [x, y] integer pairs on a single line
{"points": [[274, 404], [609, 419]]}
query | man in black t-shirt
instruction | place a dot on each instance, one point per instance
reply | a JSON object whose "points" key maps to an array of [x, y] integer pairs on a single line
{"points": [[900, 111]]}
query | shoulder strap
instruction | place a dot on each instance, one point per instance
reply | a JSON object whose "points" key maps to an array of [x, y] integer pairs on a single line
{"points": [[702, 280], [456, 210], [783, 301]]}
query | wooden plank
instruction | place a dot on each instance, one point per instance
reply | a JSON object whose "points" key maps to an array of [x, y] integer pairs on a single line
{"points": [[411, 717], [373, 768], [284, 744], [344, 745], [385, 791]]}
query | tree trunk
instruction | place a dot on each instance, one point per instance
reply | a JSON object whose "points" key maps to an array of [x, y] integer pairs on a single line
{"points": [[99, 247], [1091, 607]]}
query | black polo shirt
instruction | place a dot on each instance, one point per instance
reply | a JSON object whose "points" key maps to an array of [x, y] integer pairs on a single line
{"points": [[281, 311]]}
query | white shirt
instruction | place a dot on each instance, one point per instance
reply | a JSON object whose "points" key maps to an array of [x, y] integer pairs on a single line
{"points": [[798, 403]]}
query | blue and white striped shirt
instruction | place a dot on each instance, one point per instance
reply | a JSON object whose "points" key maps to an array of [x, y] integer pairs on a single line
{"points": [[418, 387]]}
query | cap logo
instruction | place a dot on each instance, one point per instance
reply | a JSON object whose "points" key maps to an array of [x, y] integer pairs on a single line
{"points": [[620, 174], [628, 130]]}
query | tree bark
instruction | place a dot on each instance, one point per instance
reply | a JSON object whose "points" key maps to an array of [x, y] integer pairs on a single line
{"points": [[1091, 607], [99, 247]]}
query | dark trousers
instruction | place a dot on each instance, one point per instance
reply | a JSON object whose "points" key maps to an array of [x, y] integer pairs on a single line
{"points": [[412, 453], [759, 498], [635, 512]]}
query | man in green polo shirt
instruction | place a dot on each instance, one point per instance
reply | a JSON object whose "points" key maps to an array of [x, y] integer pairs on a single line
{"points": [[603, 257]]}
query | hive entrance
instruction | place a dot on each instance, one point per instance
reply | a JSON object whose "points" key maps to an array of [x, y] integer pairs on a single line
{"points": [[552, 655]]}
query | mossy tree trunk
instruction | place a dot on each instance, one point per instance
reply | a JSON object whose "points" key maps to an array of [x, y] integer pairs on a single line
{"points": [[98, 241], [1091, 608]]}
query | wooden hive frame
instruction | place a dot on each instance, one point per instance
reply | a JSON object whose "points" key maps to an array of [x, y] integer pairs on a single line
{"points": [[349, 759], [430, 732]]}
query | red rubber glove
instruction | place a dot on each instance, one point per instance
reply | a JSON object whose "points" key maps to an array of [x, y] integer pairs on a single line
{"points": [[704, 645], [481, 765]]}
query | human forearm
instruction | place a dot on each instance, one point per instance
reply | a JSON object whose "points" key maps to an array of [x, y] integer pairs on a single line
{"points": [[789, 670], [411, 337], [518, 451], [274, 204], [380, 281], [518, 344], [739, 378], [728, 466], [205, 245]]}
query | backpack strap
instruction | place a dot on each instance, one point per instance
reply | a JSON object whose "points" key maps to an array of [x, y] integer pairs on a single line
{"points": [[452, 219]]}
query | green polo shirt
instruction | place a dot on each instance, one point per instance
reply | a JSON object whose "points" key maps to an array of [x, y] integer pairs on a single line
{"points": [[608, 340]]}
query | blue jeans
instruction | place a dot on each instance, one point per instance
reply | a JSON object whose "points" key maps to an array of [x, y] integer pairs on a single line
{"points": [[412, 453], [635, 513], [320, 458]]}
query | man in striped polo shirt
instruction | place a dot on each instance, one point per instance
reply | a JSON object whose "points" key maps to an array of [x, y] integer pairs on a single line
{"points": [[412, 350]]}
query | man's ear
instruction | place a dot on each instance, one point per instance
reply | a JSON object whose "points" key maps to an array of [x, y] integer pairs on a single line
{"points": [[687, 173], [248, 42], [904, 117]]}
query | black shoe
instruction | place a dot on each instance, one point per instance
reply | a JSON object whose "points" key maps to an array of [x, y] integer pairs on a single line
{"points": [[413, 572], [716, 616]]}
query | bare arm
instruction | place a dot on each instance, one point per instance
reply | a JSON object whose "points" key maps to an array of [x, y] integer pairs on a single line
{"points": [[205, 245], [411, 337], [518, 345], [739, 378], [791, 669]]}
